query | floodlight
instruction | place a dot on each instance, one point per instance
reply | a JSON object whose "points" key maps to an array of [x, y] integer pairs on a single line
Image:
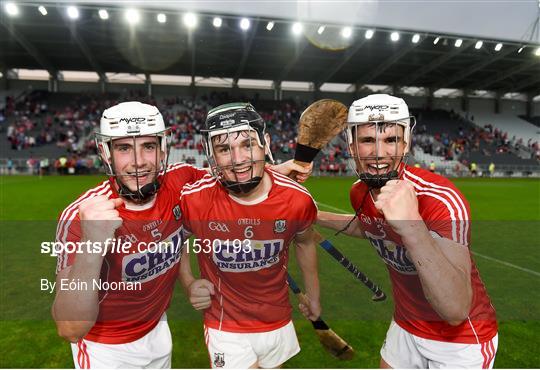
{"points": [[11, 9], [245, 24], [72, 12], [190, 20], [297, 28], [346, 32]]}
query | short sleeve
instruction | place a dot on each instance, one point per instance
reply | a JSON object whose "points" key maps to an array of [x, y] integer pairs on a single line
{"points": [[357, 194], [197, 174], [68, 231], [446, 214], [308, 214], [180, 174], [184, 208]]}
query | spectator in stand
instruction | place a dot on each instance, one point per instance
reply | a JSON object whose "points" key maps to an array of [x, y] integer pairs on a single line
{"points": [[473, 169], [432, 166], [343, 167], [323, 166], [30, 165], [44, 166], [491, 169], [62, 165], [9, 166]]}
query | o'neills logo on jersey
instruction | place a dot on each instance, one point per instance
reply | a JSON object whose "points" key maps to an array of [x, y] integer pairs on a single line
{"points": [[146, 266], [259, 254]]}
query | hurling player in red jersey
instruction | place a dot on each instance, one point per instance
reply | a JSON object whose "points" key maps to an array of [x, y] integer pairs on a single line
{"points": [[243, 218], [418, 222], [115, 316]]}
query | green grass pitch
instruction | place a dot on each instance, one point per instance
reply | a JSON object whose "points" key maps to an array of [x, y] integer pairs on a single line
{"points": [[505, 245]]}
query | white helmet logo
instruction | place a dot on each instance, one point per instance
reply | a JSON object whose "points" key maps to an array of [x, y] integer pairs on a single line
{"points": [[374, 107]]}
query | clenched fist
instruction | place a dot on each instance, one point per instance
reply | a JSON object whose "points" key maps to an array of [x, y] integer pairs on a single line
{"points": [[398, 203], [200, 294], [99, 218]]}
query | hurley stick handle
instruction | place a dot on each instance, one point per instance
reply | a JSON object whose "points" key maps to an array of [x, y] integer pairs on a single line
{"points": [[293, 174]]}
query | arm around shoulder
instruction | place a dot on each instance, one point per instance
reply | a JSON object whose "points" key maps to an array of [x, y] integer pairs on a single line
{"points": [[347, 223]]}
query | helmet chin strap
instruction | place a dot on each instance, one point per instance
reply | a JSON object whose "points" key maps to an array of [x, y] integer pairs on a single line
{"points": [[378, 181], [242, 187], [142, 195]]}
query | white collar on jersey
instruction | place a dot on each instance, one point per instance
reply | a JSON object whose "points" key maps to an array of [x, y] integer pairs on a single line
{"points": [[258, 200], [139, 207]]}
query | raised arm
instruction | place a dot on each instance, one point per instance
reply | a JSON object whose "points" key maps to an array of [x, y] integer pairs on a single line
{"points": [[75, 310], [443, 265]]}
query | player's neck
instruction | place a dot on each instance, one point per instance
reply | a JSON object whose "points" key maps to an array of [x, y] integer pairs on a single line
{"points": [[259, 192], [132, 206]]}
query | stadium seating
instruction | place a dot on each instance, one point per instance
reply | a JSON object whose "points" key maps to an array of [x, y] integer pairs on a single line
{"points": [[50, 125], [509, 123]]}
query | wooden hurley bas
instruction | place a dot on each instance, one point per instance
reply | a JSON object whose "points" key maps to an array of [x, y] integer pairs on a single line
{"points": [[318, 125]]}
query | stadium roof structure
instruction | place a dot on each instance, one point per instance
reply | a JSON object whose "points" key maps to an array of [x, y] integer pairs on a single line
{"points": [[55, 42]]}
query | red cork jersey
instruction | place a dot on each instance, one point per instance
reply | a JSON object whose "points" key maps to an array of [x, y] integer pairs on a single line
{"points": [[446, 214], [127, 315], [251, 285]]}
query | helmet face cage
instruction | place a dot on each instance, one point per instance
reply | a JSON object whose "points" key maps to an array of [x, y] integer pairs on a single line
{"points": [[104, 144], [226, 137], [383, 174], [226, 123]]}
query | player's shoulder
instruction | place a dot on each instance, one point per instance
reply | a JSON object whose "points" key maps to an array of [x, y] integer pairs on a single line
{"points": [[358, 187], [435, 190], [423, 179], [180, 167], [103, 188], [200, 188], [179, 174], [357, 192], [290, 188]]}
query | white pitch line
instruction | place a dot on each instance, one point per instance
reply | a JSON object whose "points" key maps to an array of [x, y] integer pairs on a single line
{"points": [[508, 264], [334, 208]]}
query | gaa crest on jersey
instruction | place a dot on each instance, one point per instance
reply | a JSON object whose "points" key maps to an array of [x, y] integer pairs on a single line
{"points": [[219, 359], [280, 226], [177, 212]]}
